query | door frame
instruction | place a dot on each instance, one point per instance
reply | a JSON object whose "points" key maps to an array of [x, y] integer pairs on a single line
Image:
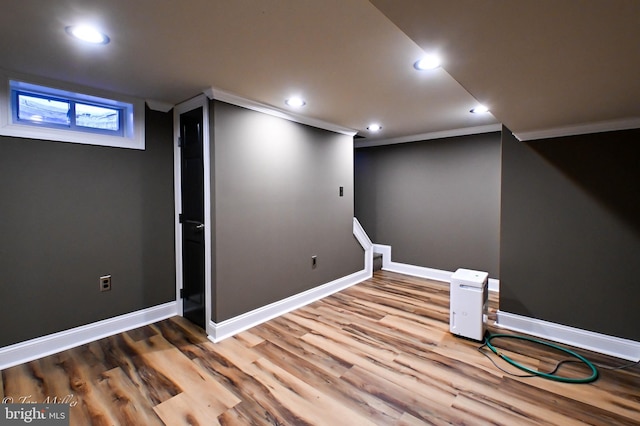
{"points": [[191, 104]]}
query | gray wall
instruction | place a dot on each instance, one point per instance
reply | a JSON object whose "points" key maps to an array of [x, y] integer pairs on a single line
{"points": [[435, 202], [276, 201], [570, 231], [71, 213]]}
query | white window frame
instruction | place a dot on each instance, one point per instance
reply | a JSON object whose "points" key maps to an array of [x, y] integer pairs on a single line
{"points": [[133, 132]]}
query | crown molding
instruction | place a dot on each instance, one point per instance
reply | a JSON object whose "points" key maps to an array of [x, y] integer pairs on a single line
{"points": [[224, 96], [579, 129], [431, 135]]}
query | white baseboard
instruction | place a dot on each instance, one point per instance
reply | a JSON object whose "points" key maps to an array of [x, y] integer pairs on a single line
{"points": [[420, 271], [222, 330], [53, 343], [601, 343], [365, 243]]}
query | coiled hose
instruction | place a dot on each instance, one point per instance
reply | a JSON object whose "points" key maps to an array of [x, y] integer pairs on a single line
{"points": [[591, 378]]}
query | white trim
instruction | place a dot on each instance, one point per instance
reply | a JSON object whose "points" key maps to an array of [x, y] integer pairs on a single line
{"points": [[466, 131], [420, 271], [367, 246], [206, 157], [609, 345], [361, 235], [198, 101], [232, 326], [134, 137], [53, 343], [221, 95], [177, 191], [386, 254], [601, 343], [159, 105], [580, 129], [222, 330]]}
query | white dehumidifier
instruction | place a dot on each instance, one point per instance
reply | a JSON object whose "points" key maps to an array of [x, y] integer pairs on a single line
{"points": [[468, 303]]}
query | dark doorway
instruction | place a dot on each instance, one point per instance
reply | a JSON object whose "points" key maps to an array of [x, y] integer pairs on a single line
{"points": [[192, 217]]}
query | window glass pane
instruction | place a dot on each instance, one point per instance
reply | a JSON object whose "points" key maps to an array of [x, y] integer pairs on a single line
{"points": [[42, 110], [97, 117], [49, 113]]}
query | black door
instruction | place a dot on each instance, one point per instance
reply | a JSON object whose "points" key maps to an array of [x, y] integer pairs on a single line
{"points": [[192, 217]]}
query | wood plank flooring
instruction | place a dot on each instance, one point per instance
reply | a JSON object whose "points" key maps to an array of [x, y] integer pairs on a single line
{"points": [[378, 353]]}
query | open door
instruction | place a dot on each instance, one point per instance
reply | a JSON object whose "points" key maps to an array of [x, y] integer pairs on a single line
{"points": [[192, 216]]}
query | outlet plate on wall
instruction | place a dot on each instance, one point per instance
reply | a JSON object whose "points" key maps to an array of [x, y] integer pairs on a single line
{"points": [[105, 283]]}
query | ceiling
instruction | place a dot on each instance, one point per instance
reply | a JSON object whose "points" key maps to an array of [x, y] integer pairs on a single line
{"points": [[538, 64], [543, 66]]}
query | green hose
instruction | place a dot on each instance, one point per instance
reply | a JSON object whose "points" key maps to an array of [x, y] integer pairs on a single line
{"points": [[589, 379]]}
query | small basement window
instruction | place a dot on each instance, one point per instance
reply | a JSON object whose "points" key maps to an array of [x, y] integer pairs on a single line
{"points": [[80, 116]]}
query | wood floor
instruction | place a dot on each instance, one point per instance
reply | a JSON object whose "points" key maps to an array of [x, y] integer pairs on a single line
{"points": [[378, 353]]}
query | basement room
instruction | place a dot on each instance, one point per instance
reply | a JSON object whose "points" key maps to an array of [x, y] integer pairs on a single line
{"points": [[320, 212]]}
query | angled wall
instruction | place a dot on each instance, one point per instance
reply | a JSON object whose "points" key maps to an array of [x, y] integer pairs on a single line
{"points": [[570, 231], [71, 213], [436, 202], [275, 196]]}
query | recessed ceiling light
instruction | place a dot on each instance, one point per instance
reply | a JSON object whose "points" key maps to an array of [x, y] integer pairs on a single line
{"points": [[88, 34], [480, 109], [295, 102], [374, 127], [428, 62]]}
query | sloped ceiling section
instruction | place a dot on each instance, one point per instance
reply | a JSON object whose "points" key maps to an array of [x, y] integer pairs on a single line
{"points": [[544, 67]]}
